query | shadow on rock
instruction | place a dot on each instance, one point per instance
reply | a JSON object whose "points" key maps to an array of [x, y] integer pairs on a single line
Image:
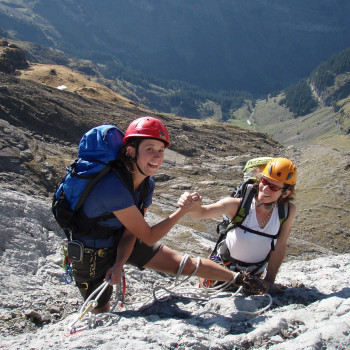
{"points": [[304, 296]]}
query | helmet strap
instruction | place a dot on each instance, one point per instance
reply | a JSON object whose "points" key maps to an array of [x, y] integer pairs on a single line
{"points": [[139, 169], [268, 206], [134, 159]]}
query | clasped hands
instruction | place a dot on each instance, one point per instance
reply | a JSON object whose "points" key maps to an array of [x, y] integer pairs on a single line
{"points": [[190, 201]]}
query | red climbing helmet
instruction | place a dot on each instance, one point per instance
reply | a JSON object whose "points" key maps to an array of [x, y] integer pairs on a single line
{"points": [[147, 127]]}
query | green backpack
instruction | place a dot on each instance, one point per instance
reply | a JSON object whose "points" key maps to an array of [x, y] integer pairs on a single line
{"points": [[247, 190]]}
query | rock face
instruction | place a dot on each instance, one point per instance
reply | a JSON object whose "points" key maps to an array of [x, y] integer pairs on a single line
{"points": [[11, 57], [37, 306]]}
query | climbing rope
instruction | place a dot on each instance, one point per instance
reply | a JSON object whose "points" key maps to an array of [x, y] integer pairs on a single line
{"points": [[86, 316], [160, 294], [203, 293]]}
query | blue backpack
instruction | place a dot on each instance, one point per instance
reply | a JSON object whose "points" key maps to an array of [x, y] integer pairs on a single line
{"points": [[97, 156]]}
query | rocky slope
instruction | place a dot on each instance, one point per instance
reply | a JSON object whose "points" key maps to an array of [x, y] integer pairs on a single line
{"points": [[40, 128], [37, 306]]}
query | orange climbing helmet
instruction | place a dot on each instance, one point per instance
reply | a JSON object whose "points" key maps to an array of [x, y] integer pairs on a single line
{"points": [[281, 170], [147, 127]]}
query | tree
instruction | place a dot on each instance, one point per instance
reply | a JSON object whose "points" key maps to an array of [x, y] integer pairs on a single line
{"points": [[299, 99]]}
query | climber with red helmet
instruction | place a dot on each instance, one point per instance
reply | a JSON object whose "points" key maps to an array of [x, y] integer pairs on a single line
{"points": [[133, 240], [256, 238]]}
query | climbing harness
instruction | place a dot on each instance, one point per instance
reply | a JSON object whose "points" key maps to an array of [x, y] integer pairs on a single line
{"points": [[160, 294]]}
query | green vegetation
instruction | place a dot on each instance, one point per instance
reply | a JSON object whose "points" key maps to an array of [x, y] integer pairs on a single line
{"points": [[188, 100], [299, 99], [343, 116], [332, 80], [324, 75], [170, 96]]}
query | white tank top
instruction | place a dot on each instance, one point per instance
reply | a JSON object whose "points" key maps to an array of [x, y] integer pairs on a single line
{"points": [[249, 247]]}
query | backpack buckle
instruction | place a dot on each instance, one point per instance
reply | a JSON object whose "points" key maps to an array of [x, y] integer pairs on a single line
{"points": [[102, 253], [82, 285]]}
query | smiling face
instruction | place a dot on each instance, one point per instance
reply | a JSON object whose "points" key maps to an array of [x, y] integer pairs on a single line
{"points": [[150, 155], [266, 195]]}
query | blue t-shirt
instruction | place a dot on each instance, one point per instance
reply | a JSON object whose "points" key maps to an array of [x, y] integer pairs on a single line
{"points": [[108, 195]]}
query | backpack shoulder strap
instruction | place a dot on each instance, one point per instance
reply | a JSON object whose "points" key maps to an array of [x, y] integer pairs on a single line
{"points": [[244, 207], [125, 176], [89, 186], [240, 190], [243, 210], [144, 193], [283, 212]]}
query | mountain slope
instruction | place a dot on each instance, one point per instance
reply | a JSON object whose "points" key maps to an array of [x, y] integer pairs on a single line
{"points": [[40, 127], [258, 46], [278, 122], [324, 95], [69, 80]]}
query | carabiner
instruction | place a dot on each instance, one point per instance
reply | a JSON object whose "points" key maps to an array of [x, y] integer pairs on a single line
{"points": [[68, 275]]}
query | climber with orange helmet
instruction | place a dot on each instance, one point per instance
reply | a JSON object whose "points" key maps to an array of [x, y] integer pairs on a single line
{"points": [[258, 243], [133, 240]]}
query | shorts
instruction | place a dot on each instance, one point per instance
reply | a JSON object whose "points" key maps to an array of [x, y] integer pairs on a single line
{"points": [[143, 253], [90, 273]]}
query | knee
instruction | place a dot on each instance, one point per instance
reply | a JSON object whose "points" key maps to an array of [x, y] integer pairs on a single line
{"points": [[104, 308], [190, 266]]}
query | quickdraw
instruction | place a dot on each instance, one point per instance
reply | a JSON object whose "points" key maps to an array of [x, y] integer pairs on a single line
{"points": [[67, 275], [87, 317]]}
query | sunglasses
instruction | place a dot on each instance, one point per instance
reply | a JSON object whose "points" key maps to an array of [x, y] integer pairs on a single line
{"points": [[272, 187]]}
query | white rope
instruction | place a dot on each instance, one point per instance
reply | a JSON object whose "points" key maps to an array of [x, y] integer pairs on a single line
{"points": [[203, 293], [174, 290], [160, 294], [86, 316], [252, 313]]}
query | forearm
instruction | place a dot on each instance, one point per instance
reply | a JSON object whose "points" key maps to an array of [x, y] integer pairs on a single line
{"points": [[125, 247], [274, 264], [226, 206], [159, 230], [198, 214], [132, 219]]}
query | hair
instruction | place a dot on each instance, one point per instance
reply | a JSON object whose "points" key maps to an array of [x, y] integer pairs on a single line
{"points": [[124, 157], [290, 197]]}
